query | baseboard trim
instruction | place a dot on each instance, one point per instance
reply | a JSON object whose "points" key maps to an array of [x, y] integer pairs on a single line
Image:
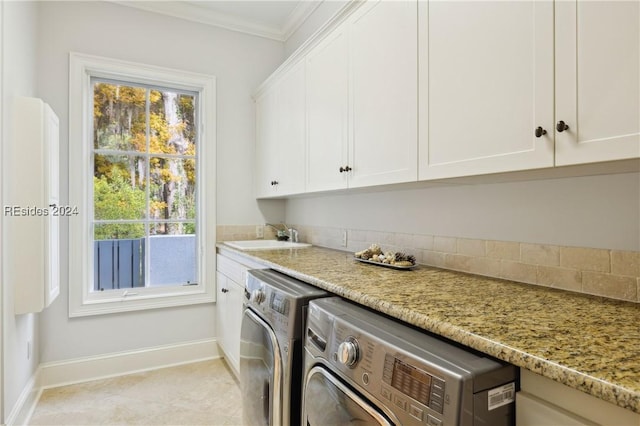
{"points": [[80, 370], [26, 403], [61, 373]]}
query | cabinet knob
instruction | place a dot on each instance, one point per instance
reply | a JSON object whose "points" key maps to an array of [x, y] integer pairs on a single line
{"points": [[345, 169], [274, 182], [562, 126], [342, 169], [225, 290], [540, 131]]}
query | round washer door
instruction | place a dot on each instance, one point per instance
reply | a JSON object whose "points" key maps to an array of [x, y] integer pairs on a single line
{"points": [[328, 401]]}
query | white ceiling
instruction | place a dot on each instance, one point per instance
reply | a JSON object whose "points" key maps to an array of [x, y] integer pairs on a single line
{"points": [[274, 19]]}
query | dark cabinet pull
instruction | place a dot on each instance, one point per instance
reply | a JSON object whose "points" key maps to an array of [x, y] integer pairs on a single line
{"points": [[342, 170], [274, 182], [345, 169], [540, 131], [225, 290], [562, 126]]}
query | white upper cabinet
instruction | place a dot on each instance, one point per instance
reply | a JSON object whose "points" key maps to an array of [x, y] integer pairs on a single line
{"points": [[33, 229], [384, 94], [293, 131], [486, 85], [362, 100], [399, 91], [281, 136], [327, 112], [266, 143], [597, 80]]}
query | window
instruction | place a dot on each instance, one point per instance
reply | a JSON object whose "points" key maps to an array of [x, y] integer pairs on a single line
{"points": [[139, 140]]}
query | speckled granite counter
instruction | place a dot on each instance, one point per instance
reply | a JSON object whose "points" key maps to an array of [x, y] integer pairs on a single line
{"points": [[588, 343]]}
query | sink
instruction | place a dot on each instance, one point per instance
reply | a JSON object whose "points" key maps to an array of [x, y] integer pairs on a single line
{"points": [[264, 245]]}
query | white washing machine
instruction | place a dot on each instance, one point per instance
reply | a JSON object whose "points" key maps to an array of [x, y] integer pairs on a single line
{"points": [[362, 368]]}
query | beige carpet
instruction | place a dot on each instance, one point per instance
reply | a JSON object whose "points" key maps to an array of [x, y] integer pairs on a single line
{"points": [[203, 393]]}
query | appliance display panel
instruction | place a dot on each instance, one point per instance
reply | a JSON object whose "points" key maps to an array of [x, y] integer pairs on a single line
{"points": [[411, 381]]}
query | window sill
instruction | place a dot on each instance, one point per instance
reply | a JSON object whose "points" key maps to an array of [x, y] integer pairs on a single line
{"points": [[122, 302]]}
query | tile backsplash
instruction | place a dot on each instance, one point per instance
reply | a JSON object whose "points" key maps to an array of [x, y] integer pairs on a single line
{"points": [[609, 273]]}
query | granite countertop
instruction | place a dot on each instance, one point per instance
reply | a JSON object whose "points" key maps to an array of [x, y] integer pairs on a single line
{"points": [[588, 343]]}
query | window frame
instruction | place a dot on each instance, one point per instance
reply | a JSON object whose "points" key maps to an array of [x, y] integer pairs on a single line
{"points": [[82, 301]]}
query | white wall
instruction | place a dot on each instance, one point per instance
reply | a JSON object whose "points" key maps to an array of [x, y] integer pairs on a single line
{"points": [[590, 211], [240, 63], [18, 62]]}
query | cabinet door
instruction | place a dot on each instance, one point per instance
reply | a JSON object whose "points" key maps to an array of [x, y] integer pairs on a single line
{"points": [[598, 80], [384, 94], [52, 231], [532, 411], [266, 144], [228, 327], [486, 84], [327, 113], [233, 323], [292, 132], [33, 265], [221, 310]]}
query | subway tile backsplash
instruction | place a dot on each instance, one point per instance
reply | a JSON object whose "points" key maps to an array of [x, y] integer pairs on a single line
{"points": [[609, 273]]}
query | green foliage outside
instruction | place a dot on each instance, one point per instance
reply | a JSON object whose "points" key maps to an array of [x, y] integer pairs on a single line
{"points": [[132, 120], [116, 199]]}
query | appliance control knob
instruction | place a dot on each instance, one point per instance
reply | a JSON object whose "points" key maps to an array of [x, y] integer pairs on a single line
{"points": [[348, 352], [257, 296]]}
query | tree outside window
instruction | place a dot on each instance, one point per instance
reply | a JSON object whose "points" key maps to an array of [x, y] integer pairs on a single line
{"points": [[144, 186]]}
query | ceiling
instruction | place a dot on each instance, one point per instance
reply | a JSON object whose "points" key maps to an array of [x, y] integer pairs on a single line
{"points": [[274, 19]]}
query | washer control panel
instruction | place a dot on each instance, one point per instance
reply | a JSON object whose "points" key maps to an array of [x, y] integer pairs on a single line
{"points": [[415, 391], [415, 383]]}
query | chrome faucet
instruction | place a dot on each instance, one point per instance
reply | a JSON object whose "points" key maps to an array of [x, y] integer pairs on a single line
{"points": [[280, 230], [284, 231]]}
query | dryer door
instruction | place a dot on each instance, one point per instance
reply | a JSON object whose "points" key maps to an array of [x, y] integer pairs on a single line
{"points": [[327, 401], [260, 372]]}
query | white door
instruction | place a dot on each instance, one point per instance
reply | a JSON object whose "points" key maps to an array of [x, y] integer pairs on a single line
{"points": [[52, 238], [292, 132], [222, 311], [384, 94], [597, 80], [532, 411], [327, 113], [233, 323], [266, 144], [486, 85]]}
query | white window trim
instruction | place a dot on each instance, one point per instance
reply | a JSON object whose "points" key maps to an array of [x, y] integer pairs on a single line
{"points": [[82, 302]]}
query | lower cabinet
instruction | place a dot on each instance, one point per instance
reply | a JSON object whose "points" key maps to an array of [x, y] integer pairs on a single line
{"points": [[230, 278], [229, 319], [543, 402]]}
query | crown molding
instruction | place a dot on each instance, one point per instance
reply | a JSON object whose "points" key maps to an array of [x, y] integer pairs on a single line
{"points": [[192, 12], [298, 16]]}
